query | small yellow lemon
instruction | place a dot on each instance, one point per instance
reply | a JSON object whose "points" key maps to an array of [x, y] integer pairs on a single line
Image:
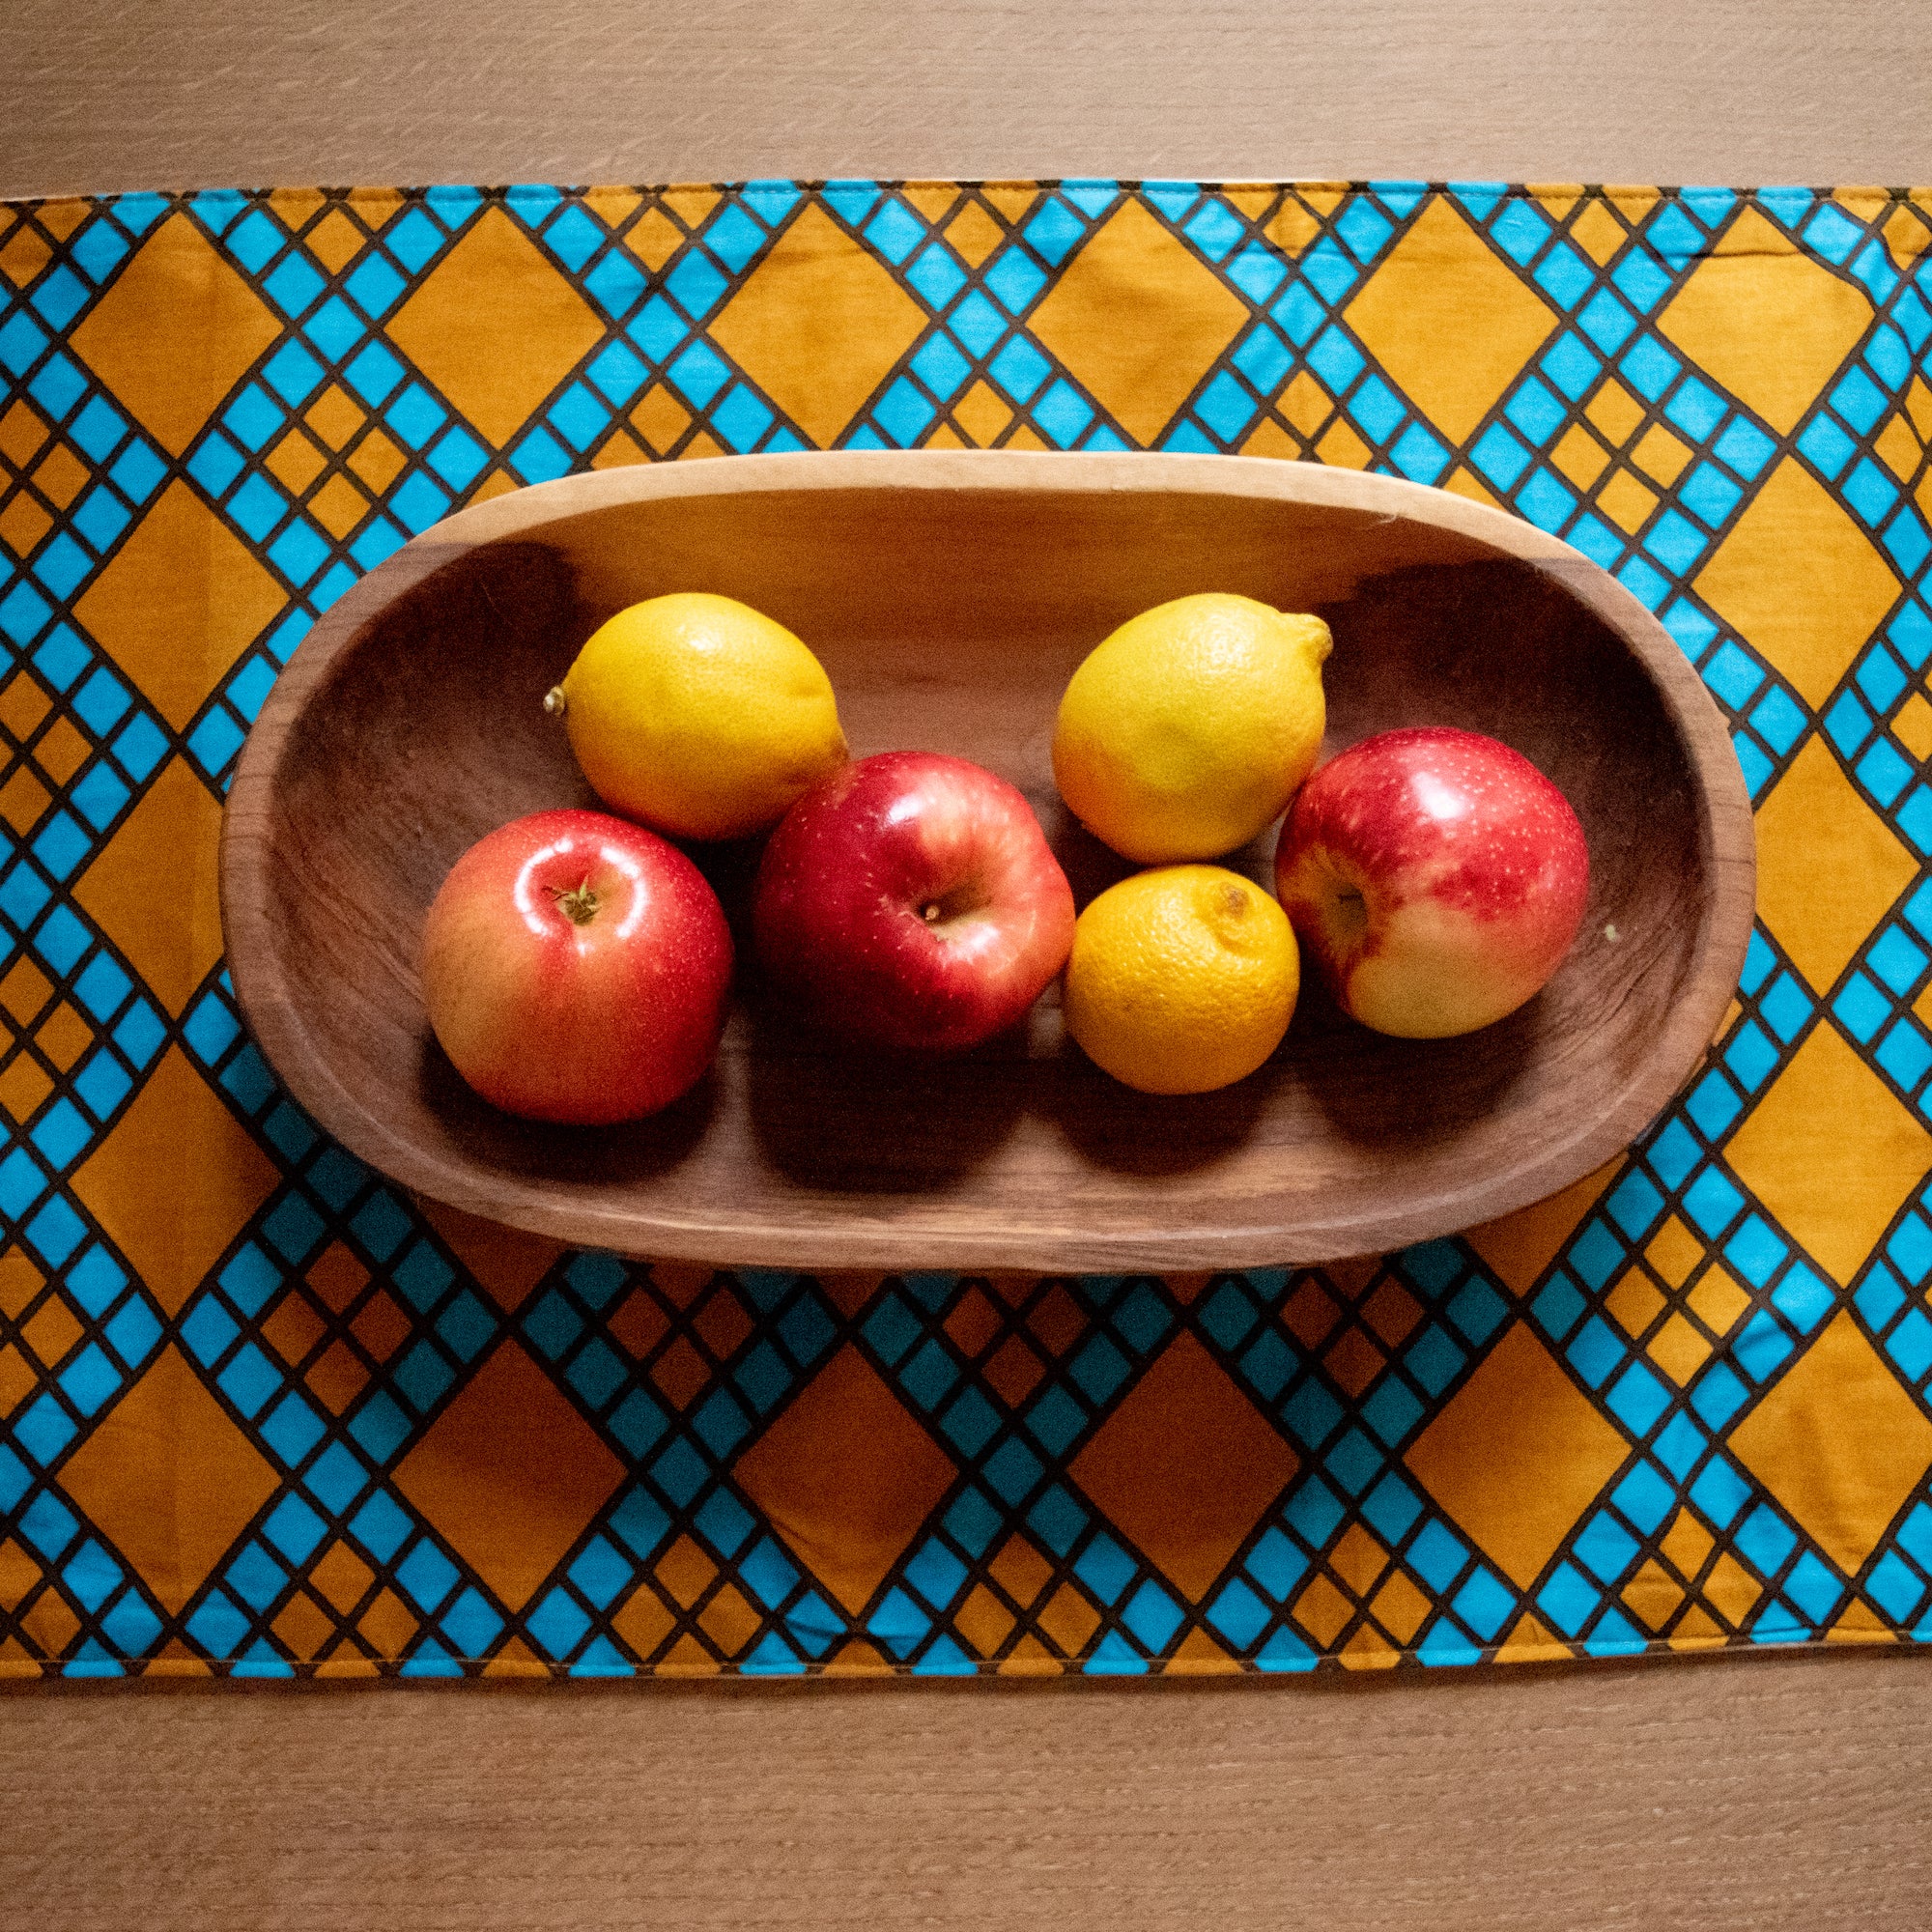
{"points": [[1186, 732], [1181, 979], [699, 716]]}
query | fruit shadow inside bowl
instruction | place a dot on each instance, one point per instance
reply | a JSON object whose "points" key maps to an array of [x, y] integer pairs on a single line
{"points": [[1156, 1134], [540, 1151], [1379, 1091], [927, 1122]]}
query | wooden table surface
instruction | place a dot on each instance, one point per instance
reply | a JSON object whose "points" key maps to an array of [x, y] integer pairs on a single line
{"points": [[1752, 1791], [1757, 1792]]}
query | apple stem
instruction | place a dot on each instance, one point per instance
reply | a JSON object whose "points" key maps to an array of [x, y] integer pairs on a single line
{"points": [[930, 914], [580, 907], [555, 701]]}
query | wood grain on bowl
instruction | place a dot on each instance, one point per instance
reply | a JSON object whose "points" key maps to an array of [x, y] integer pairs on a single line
{"points": [[950, 595]]}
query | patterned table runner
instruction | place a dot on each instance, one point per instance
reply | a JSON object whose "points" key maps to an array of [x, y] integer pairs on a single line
{"points": [[264, 1415]]}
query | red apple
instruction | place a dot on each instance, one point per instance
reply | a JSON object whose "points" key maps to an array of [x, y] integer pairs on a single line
{"points": [[910, 900], [1437, 876], [575, 966]]}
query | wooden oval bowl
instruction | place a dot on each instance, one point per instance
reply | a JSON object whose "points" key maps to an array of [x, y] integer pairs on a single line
{"points": [[950, 595]]}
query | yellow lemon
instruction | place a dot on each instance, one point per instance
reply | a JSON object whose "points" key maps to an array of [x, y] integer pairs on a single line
{"points": [[1181, 979], [1186, 732], [699, 716]]}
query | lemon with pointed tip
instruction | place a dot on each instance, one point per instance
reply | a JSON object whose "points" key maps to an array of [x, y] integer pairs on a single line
{"points": [[1186, 732], [699, 716], [1181, 979]]}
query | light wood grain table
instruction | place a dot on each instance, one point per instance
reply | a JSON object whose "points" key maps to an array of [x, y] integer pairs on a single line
{"points": [[1751, 1792]]}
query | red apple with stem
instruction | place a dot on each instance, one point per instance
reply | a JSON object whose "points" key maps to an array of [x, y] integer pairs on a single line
{"points": [[1436, 877], [910, 901], [576, 967]]}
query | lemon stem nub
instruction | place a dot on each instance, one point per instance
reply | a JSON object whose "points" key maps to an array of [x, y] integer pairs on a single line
{"points": [[580, 907], [555, 701]]}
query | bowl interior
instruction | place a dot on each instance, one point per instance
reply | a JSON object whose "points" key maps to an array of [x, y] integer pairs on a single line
{"points": [[951, 621]]}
